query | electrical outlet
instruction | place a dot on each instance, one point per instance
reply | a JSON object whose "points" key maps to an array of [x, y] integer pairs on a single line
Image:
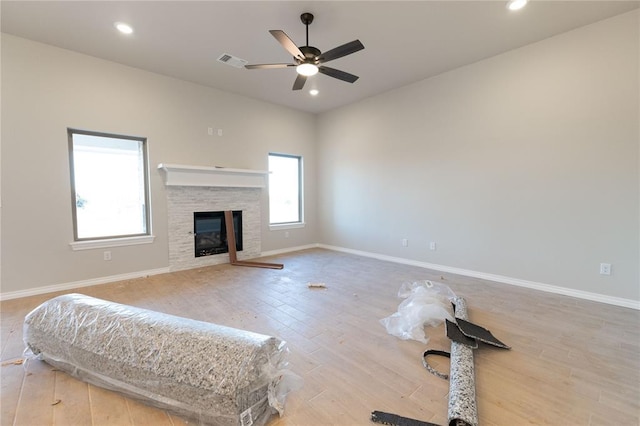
{"points": [[210, 131], [286, 234], [405, 242], [605, 269], [432, 245], [107, 255]]}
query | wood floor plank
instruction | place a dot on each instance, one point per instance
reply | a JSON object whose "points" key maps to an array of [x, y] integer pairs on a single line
{"points": [[74, 406], [108, 408], [12, 344], [11, 378], [175, 420], [339, 407], [37, 395], [142, 414], [608, 417]]}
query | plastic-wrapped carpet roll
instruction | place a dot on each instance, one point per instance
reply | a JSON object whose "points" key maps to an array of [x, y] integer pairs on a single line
{"points": [[462, 409], [210, 373]]}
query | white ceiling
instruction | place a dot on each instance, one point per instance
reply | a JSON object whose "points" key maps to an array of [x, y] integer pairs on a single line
{"points": [[404, 41]]}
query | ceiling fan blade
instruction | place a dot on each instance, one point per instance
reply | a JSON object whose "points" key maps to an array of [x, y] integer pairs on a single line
{"points": [[340, 51], [340, 75], [267, 66], [299, 83], [286, 42]]}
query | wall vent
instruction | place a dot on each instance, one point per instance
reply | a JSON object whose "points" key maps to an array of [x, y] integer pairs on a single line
{"points": [[236, 62]]}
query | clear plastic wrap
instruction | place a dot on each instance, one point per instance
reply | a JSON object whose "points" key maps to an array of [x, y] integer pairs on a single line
{"points": [[213, 374], [426, 303]]}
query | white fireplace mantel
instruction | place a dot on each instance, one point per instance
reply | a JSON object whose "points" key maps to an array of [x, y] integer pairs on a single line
{"points": [[181, 175]]}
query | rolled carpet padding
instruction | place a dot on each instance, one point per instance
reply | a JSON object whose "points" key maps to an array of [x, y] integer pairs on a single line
{"points": [[462, 409], [206, 372]]}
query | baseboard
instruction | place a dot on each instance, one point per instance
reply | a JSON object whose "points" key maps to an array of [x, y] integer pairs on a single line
{"points": [[610, 300], [79, 284], [288, 250]]}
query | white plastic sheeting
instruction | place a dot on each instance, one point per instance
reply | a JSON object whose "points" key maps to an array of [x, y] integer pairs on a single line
{"points": [[426, 304]]}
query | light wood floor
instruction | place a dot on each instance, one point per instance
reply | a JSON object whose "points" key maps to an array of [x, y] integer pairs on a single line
{"points": [[573, 361]]}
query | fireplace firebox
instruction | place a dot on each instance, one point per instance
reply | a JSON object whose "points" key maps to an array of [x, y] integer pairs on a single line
{"points": [[210, 232]]}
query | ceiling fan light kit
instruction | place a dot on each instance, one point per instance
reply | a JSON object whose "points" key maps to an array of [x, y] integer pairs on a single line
{"points": [[307, 69], [308, 60]]}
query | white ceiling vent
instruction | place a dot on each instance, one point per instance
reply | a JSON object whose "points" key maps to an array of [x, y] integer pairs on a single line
{"points": [[225, 58]]}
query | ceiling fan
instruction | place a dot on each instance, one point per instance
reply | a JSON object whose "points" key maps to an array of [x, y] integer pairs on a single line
{"points": [[308, 59]]}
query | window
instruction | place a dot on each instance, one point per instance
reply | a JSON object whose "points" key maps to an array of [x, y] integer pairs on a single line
{"points": [[109, 185], [285, 189]]}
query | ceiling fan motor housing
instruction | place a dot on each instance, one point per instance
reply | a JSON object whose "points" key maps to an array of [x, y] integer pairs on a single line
{"points": [[311, 55]]}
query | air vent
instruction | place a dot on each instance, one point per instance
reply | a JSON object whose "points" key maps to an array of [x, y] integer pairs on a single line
{"points": [[225, 58]]}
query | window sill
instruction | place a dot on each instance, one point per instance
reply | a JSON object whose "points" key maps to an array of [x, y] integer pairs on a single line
{"points": [[278, 226], [113, 242]]}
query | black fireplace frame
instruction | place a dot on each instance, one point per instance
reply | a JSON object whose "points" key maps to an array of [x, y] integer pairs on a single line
{"points": [[210, 232]]}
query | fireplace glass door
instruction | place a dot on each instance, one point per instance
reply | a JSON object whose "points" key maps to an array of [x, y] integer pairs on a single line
{"points": [[210, 232]]}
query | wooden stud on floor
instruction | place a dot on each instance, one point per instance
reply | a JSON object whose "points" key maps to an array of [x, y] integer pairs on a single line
{"points": [[231, 243]]}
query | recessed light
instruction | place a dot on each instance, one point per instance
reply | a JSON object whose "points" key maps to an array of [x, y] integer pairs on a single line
{"points": [[516, 4], [313, 92], [123, 28]]}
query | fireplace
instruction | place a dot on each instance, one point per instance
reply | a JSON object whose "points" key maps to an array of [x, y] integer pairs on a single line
{"points": [[210, 232], [192, 189]]}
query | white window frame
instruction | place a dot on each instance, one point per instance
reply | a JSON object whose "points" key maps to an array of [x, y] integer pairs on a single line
{"points": [[109, 240], [300, 222]]}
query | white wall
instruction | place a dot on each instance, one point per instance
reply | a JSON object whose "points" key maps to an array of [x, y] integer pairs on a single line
{"points": [[524, 165], [47, 89]]}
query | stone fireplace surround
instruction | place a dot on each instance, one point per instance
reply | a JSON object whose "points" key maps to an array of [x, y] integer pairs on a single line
{"points": [[192, 189]]}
